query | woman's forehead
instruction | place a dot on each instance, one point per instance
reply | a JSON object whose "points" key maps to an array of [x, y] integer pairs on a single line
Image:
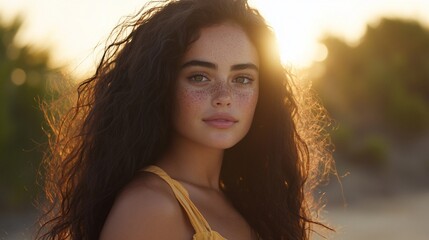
{"points": [[223, 42]]}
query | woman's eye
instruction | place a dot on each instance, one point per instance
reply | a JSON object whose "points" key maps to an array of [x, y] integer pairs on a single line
{"points": [[243, 80], [198, 78]]}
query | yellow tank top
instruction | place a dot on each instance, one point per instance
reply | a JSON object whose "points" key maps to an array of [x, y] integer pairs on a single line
{"points": [[201, 227]]}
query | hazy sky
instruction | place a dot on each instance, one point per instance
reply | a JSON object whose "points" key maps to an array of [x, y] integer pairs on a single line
{"points": [[72, 28]]}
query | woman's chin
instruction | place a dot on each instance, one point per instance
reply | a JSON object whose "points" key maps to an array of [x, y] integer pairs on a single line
{"points": [[223, 143]]}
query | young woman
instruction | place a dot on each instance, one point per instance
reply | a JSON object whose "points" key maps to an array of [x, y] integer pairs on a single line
{"points": [[189, 129]]}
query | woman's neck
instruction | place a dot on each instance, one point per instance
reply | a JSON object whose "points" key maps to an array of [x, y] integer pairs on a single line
{"points": [[193, 163]]}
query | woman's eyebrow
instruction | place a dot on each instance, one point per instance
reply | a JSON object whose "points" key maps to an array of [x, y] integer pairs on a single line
{"points": [[214, 66], [200, 64], [244, 66]]}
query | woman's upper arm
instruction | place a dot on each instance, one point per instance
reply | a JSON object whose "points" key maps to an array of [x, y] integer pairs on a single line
{"points": [[144, 213]]}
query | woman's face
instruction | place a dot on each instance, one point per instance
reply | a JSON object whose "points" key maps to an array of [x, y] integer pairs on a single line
{"points": [[217, 88]]}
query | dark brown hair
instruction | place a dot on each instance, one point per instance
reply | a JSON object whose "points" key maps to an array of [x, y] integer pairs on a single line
{"points": [[121, 122]]}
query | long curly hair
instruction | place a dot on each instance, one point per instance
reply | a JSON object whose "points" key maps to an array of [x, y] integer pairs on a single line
{"points": [[120, 121]]}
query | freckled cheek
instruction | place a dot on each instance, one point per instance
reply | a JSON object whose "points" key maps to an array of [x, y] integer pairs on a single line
{"points": [[246, 99], [190, 99]]}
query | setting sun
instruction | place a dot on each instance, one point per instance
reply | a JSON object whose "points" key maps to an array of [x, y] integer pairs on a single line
{"points": [[300, 26], [297, 36]]}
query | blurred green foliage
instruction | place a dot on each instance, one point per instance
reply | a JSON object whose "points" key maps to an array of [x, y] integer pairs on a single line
{"points": [[377, 89], [373, 153], [24, 74]]}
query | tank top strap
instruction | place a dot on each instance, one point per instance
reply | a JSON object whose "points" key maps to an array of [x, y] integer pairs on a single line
{"points": [[196, 218]]}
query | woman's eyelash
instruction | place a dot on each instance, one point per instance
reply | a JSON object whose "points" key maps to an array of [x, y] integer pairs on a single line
{"points": [[243, 79], [198, 78], [203, 78]]}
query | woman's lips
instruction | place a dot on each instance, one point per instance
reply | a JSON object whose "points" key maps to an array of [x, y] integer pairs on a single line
{"points": [[220, 121]]}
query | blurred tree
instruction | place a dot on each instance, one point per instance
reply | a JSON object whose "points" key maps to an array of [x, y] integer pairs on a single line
{"points": [[24, 73], [379, 86]]}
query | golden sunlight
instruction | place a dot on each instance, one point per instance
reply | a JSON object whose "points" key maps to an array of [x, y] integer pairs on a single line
{"points": [[297, 34], [298, 25]]}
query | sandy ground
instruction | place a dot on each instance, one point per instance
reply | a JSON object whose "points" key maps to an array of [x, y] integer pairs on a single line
{"points": [[17, 226], [396, 218]]}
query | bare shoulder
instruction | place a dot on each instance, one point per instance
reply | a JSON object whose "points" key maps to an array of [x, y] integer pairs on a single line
{"points": [[145, 209]]}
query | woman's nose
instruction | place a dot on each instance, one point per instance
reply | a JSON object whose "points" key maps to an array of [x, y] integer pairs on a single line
{"points": [[222, 95]]}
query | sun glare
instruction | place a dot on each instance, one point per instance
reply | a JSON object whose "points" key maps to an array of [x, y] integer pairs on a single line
{"points": [[300, 50], [295, 31]]}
